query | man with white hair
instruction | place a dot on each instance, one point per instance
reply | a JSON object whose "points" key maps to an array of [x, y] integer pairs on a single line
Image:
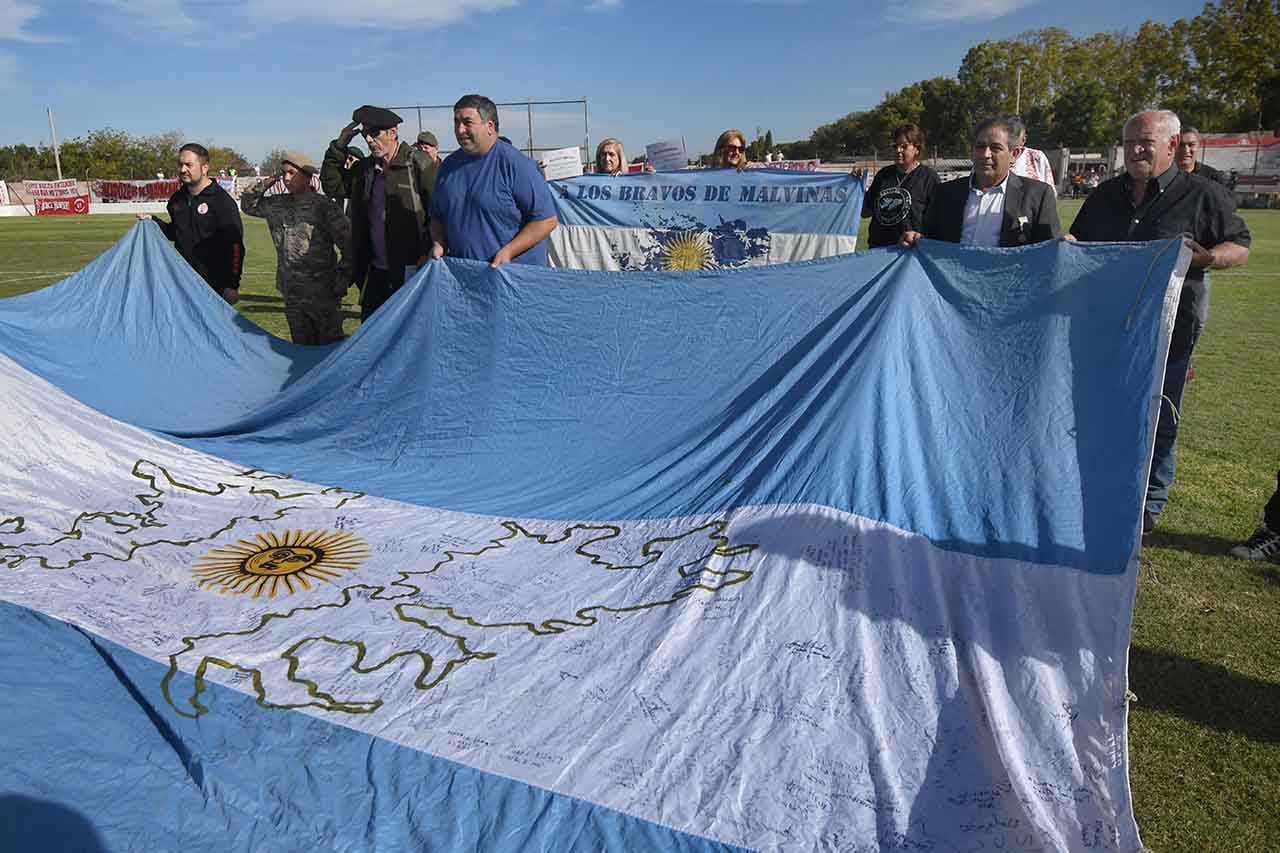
{"points": [[1155, 200]]}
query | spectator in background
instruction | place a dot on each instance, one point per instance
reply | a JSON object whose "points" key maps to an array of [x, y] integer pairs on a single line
{"points": [[1153, 200], [899, 193], [730, 151], [205, 224], [1188, 160], [994, 207], [427, 144], [1030, 163], [610, 160], [491, 203], [338, 164]]}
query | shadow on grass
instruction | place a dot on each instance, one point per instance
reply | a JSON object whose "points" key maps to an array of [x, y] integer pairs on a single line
{"points": [[261, 297], [1192, 543], [1205, 693]]}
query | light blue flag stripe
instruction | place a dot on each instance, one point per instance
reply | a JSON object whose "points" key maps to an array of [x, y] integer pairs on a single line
{"points": [[995, 401], [95, 760]]}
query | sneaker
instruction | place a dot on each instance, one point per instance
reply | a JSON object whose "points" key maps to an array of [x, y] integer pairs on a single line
{"points": [[1148, 522], [1262, 545]]}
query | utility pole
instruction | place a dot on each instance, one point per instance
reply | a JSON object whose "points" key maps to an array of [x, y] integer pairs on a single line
{"points": [[57, 161], [1017, 102]]}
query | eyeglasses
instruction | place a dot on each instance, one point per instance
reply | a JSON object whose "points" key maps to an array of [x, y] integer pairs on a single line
{"points": [[738, 148], [372, 131]]}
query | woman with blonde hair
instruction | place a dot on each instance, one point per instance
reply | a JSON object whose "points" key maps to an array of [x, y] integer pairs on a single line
{"points": [[610, 160], [731, 151]]}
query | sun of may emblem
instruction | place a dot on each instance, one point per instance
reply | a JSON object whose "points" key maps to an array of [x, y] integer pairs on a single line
{"points": [[687, 250], [272, 563]]}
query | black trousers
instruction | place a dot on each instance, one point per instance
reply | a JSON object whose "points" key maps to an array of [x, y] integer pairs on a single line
{"points": [[379, 286]]}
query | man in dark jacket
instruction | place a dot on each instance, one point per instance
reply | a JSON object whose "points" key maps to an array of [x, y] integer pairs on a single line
{"points": [[205, 224], [390, 194], [993, 207]]}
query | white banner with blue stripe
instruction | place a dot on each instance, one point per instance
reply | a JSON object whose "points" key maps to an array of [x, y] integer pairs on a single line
{"points": [[839, 555], [701, 219]]}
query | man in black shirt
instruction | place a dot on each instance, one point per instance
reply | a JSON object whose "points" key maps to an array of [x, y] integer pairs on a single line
{"points": [[205, 224], [1188, 157], [1155, 200]]}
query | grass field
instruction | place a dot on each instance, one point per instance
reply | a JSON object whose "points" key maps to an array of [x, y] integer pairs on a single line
{"points": [[1205, 662]]}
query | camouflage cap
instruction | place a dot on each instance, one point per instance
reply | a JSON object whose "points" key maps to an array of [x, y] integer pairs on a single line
{"points": [[375, 117], [428, 138], [300, 161]]}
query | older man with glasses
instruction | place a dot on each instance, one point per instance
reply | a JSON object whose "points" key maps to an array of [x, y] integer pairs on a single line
{"points": [[390, 194]]}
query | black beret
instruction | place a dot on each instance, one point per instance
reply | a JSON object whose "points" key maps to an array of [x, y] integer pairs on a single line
{"points": [[375, 117]]}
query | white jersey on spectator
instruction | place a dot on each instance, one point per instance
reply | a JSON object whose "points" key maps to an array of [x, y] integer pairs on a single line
{"points": [[1032, 163]]}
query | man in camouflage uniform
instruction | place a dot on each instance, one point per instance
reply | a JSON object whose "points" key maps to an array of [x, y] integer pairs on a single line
{"points": [[306, 228]]}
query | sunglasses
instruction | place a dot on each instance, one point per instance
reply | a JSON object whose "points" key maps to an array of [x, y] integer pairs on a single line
{"points": [[738, 148], [373, 131]]}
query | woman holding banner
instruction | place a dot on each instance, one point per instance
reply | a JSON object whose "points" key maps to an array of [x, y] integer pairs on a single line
{"points": [[731, 151], [609, 157], [899, 193]]}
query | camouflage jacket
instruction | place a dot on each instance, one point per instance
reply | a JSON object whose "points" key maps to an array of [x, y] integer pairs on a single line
{"points": [[306, 229]]}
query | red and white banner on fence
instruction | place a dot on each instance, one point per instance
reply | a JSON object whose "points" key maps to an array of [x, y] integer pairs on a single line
{"points": [[53, 198], [135, 190]]}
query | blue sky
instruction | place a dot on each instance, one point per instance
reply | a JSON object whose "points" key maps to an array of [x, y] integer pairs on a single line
{"points": [[259, 74]]}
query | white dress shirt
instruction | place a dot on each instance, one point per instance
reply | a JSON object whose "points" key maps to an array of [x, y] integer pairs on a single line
{"points": [[983, 215]]}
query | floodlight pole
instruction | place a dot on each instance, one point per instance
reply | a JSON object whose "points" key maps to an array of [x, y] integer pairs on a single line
{"points": [[57, 161], [1017, 103]]}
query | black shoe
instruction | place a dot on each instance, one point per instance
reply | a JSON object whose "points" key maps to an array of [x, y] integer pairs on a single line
{"points": [[1148, 522]]}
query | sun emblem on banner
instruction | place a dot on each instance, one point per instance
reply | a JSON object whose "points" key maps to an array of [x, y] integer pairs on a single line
{"points": [[686, 250], [282, 563]]}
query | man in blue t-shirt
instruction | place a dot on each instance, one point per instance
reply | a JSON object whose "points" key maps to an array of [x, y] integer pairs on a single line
{"points": [[490, 202]]}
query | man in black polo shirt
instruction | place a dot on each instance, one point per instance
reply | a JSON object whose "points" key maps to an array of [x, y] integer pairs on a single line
{"points": [[1188, 157], [1155, 200], [205, 224]]}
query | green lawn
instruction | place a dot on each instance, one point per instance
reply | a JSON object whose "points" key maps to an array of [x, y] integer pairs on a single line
{"points": [[1205, 663]]}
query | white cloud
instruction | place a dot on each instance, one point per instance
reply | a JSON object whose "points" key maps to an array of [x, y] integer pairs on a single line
{"points": [[948, 11], [378, 14], [605, 5], [149, 17], [14, 17]]}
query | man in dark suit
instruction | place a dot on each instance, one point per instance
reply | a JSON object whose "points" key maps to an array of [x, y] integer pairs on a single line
{"points": [[993, 207]]}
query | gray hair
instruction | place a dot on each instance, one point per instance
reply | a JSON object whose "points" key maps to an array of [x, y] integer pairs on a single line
{"points": [[487, 110], [1167, 123], [1011, 125]]}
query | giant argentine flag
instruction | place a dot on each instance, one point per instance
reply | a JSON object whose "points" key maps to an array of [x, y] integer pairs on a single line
{"points": [[703, 219], [838, 555]]}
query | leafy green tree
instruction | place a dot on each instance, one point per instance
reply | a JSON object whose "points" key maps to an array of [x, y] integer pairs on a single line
{"points": [[1083, 117], [274, 161]]}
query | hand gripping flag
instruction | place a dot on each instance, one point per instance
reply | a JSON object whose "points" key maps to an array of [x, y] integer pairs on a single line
{"points": [[831, 555], [703, 219]]}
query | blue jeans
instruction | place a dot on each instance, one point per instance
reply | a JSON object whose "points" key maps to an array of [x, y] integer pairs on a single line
{"points": [[1186, 331]]}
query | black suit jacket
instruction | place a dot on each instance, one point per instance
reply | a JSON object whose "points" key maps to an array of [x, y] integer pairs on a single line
{"points": [[1035, 200]]}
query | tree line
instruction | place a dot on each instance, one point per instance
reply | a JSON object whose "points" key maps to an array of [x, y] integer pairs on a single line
{"points": [[111, 154], [1220, 71]]}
